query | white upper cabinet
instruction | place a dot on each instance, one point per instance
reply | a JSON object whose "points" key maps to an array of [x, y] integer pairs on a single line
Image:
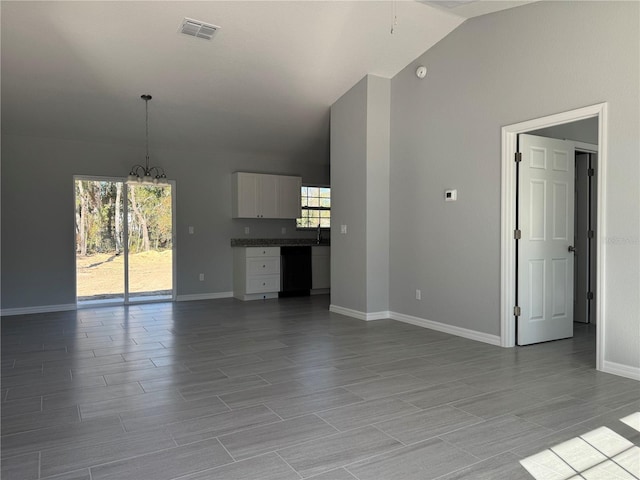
{"points": [[267, 195], [258, 195], [245, 195]]}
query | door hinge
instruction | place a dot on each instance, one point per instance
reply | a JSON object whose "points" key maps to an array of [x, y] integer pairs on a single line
{"points": [[517, 234], [591, 172], [517, 311], [518, 157], [589, 295], [591, 234]]}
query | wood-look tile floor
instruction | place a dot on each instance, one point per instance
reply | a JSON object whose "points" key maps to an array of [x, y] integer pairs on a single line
{"points": [[284, 389]]}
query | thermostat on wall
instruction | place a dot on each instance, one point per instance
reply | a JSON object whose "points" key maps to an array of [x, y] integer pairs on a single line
{"points": [[450, 195]]}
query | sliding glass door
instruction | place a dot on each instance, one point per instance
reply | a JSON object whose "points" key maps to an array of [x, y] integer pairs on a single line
{"points": [[124, 241], [150, 242], [99, 223]]}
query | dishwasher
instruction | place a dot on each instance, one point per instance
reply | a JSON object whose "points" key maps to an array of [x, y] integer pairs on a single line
{"points": [[295, 271]]}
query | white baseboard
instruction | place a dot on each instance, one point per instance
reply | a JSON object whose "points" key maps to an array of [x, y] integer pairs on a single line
{"points": [[621, 369], [203, 296], [420, 322], [443, 327], [5, 312], [358, 314]]}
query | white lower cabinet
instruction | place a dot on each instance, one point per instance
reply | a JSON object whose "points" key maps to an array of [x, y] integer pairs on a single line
{"points": [[256, 272]]}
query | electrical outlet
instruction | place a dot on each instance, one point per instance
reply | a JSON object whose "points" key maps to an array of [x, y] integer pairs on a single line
{"points": [[202, 277], [418, 295], [284, 230], [246, 230], [343, 229], [191, 230]]}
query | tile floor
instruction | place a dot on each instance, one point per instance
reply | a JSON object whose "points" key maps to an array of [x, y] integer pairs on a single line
{"points": [[283, 389]]}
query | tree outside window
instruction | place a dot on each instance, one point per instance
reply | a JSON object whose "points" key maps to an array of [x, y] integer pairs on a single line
{"points": [[316, 207]]}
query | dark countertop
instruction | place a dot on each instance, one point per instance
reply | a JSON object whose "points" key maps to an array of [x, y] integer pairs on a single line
{"points": [[276, 242]]}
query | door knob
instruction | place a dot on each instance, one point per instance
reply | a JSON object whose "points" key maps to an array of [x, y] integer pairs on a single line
{"points": [[572, 249]]}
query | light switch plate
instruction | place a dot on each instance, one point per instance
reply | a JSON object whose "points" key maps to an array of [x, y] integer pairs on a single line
{"points": [[450, 195], [343, 229]]}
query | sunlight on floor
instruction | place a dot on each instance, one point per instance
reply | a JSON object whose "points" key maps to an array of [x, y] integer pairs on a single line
{"points": [[600, 454]]}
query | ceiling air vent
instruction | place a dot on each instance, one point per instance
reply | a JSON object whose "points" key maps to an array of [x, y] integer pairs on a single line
{"points": [[196, 28]]}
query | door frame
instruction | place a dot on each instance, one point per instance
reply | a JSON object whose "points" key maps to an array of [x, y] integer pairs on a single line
{"points": [[581, 147], [508, 215], [125, 297]]}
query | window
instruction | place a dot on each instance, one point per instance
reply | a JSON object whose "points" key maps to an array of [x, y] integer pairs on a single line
{"points": [[316, 207]]}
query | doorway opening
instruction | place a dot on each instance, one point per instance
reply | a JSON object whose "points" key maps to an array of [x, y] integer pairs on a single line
{"points": [[124, 242], [509, 187]]}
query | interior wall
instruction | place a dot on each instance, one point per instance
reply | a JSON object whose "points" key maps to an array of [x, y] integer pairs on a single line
{"points": [[581, 131], [496, 70], [360, 146], [38, 221], [348, 198], [377, 172]]}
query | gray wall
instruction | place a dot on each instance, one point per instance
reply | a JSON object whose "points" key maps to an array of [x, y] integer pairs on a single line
{"points": [[496, 70], [348, 198], [38, 223], [360, 146], [581, 131], [378, 151]]}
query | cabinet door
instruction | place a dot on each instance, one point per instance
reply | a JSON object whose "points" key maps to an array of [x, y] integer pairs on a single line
{"points": [[245, 198], [268, 199], [289, 197]]}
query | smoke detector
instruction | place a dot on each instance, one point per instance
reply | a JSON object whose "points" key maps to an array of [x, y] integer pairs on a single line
{"points": [[196, 28]]}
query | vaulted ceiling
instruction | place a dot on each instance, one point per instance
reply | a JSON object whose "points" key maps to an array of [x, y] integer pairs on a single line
{"points": [[264, 83]]}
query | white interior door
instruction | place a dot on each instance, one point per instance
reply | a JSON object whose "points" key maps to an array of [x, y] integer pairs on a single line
{"points": [[545, 257]]}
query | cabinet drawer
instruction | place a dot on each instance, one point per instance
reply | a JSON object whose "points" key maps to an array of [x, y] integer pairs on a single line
{"points": [[262, 252], [263, 266], [263, 283]]}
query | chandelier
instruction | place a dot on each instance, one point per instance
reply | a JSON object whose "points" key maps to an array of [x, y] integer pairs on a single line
{"points": [[146, 174]]}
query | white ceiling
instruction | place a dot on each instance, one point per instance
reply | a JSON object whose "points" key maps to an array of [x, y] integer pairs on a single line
{"points": [[264, 83], [475, 8]]}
